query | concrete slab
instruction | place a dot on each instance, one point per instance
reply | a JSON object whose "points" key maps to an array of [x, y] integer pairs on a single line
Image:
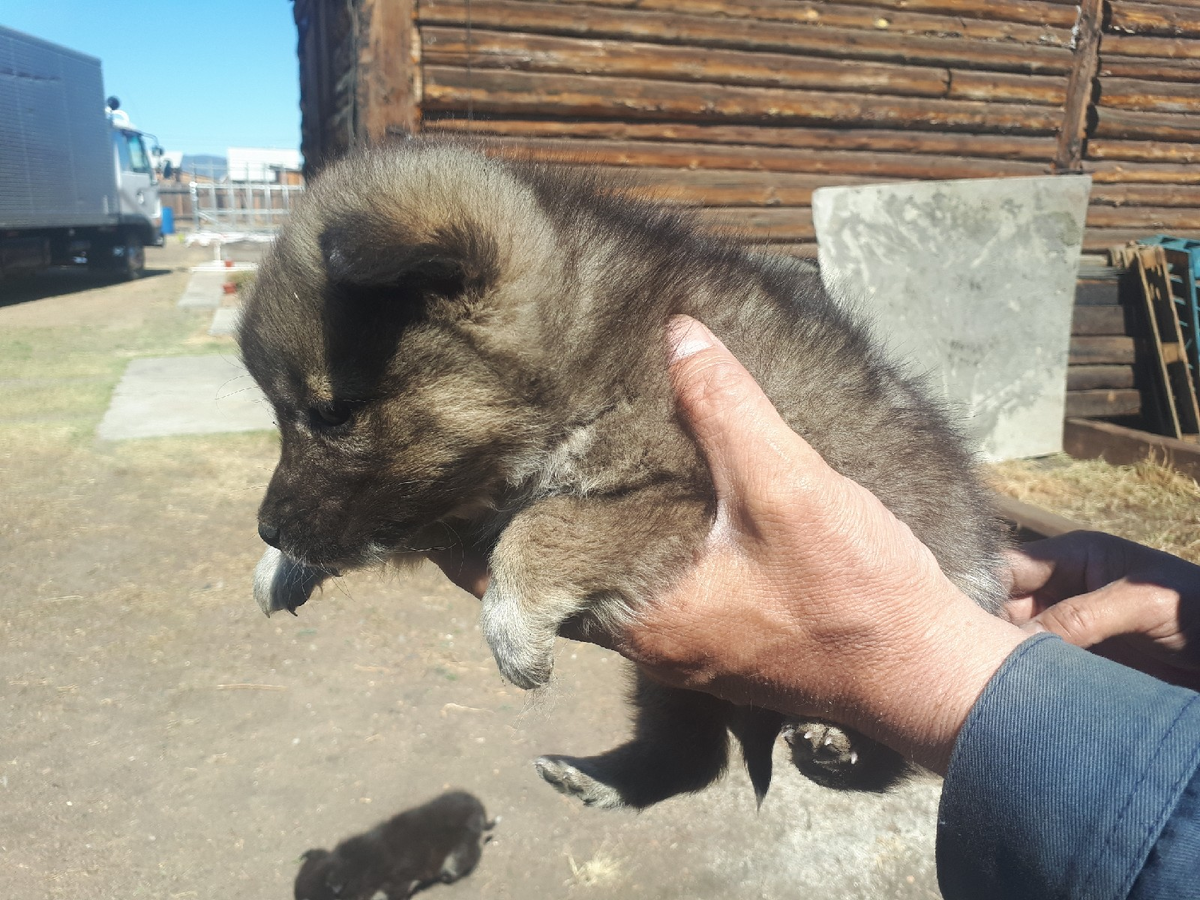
{"points": [[204, 291], [184, 395], [973, 282], [225, 321]]}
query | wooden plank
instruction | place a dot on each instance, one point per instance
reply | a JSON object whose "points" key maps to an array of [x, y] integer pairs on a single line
{"points": [[1098, 320], [494, 92], [1168, 340], [710, 187], [1087, 378], [1081, 87], [1033, 522], [1122, 123], [1099, 240], [1097, 293], [745, 34], [997, 146], [1151, 96], [1106, 404], [1092, 351], [443, 46], [1046, 90], [650, 154], [1119, 446], [761, 225], [1156, 19], [1032, 12]]}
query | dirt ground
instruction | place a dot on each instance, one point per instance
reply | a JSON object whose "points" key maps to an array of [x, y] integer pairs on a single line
{"points": [[163, 739]]}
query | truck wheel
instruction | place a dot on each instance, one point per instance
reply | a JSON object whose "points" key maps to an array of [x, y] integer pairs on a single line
{"points": [[132, 262]]}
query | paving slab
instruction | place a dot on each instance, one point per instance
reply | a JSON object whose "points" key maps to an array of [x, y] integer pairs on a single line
{"points": [[184, 395], [973, 282], [204, 291], [225, 321]]}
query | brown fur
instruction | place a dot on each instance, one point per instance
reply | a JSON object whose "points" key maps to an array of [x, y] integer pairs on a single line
{"points": [[459, 347]]}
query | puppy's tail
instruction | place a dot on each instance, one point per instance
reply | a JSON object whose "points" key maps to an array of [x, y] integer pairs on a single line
{"points": [[756, 730]]}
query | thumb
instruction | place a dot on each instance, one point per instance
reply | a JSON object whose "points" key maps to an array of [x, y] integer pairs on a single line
{"points": [[1087, 619], [743, 439]]}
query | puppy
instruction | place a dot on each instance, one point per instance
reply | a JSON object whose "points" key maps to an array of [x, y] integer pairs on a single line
{"points": [[440, 841], [463, 347]]}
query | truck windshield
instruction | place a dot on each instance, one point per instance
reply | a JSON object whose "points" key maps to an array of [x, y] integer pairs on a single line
{"points": [[132, 152]]}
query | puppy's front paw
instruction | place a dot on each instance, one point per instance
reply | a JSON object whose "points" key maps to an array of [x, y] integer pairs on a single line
{"points": [[564, 774], [842, 759], [523, 653]]}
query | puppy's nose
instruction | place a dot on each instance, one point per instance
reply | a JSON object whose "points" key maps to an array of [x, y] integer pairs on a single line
{"points": [[269, 534]]}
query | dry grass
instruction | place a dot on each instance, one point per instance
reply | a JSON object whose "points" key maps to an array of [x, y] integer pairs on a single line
{"points": [[1148, 502]]}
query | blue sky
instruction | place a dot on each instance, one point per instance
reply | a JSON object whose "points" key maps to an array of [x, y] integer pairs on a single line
{"points": [[201, 76]]}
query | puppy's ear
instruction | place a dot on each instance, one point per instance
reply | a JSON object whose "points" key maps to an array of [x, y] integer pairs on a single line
{"points": [[373, 259]]}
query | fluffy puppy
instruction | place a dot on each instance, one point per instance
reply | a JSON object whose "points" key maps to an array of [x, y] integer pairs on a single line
{"points": [[462, 345], [440, 841]]}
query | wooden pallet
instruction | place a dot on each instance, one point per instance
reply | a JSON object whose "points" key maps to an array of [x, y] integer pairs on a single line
{"points": [[1174, 410]]}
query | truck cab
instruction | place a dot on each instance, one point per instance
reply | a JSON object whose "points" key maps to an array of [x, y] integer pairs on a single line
{"points": [[138, 206]]}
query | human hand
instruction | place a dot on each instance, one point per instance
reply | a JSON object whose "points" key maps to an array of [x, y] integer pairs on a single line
{"points": [[1130, 603]]}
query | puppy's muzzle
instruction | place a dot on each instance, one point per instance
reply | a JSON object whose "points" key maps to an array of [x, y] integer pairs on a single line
{"points": [[282, 583]]}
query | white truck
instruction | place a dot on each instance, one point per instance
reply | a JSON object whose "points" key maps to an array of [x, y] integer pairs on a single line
{"points": [[76, 179]]}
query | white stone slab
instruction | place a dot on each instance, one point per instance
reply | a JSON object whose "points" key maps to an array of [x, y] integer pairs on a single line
{"points": [[204, 290], [225, 321], [185, 395], [973, 282]]}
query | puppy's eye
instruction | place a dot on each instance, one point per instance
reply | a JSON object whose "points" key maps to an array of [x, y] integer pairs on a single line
{"points": [[330, 415]]}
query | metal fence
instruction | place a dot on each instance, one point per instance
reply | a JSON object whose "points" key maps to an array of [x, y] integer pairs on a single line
{"points": [[255, 201]]}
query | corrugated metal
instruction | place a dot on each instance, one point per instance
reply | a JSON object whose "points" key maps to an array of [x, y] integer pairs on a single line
{"points": [[56, 158]]}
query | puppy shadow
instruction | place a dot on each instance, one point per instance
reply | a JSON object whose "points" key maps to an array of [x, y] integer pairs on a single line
{"points": [[438, 842]]}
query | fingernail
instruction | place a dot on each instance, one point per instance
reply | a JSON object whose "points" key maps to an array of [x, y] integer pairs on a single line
{"points": [[686, 337]]}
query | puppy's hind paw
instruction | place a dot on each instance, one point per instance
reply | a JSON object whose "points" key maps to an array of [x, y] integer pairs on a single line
{"points": [[842, 759], [564, 775]]}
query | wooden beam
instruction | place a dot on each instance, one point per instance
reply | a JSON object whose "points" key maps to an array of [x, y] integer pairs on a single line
{"points": [[1033, 521], [1098, 320], [1085, 439], [1162, 20], [1081, 87], [388, 93], [1101, 351], [1109, 404], [1090, 378]]}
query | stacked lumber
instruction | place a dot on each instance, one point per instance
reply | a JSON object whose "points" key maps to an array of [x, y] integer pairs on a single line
{"points": [[1144, 139], [1101, 380]]}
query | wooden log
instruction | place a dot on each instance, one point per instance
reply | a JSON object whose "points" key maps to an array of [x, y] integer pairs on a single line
{"points": [[1153, 219], [1006, 147], [1081, 88], [1156, 19], [1154, 47], [709, 187], [1098, 320], [1031, 522], [650, 154], [494, 92], [1029, 30], [1149, 69], [1101, 351], [801, 250], [1119, 172], [1100, 240], [786, 225], [1044, 90], [389, 92], [1120, 123], [1090, 378], [1103, 404], [1144, 151], [1062, 15], [745, 34], [541, 53], [1146, 195], [1120, 446], [1150, 96]]}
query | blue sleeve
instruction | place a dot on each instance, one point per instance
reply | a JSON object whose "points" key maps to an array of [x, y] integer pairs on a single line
{"points": [[1073, 777]]}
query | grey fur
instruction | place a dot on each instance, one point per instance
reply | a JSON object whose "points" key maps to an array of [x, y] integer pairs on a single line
{"points": [[463, 347]]}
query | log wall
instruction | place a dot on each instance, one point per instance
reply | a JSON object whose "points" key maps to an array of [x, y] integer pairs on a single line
{"points": [[744, 107]]}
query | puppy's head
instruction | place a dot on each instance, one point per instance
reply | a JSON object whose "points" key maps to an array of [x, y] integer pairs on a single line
{"points": [[388, 329]]}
